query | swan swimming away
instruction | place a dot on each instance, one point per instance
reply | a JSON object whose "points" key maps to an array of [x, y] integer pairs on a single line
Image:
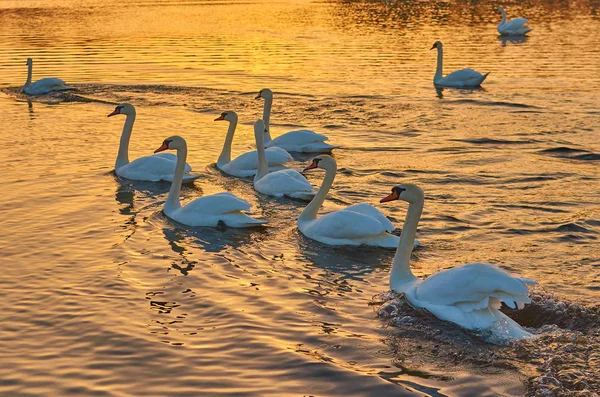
{"points": [[42, 86], [246, 164], [515, 27], [204, 211], [469, 295], [147, 168], [305, 141], [280, 183], [463, 78], [358, 224]]}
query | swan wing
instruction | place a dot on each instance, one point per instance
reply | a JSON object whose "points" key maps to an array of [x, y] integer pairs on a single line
{"points": [[515, 24], [249, 160], [283, 182], [217, 204], [369, 210], [298, 137], [473, 286], [463, 75], [345, 224], [173, 157], [149, 168], [45, 85]]}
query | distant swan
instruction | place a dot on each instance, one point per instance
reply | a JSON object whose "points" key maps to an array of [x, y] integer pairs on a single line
{"points": [[204, 211], [294, 141], [463, 78], [468, 295], [358, 224], [280, 183], [515, 27], [246, 164], [147, 168], [42, 86]]}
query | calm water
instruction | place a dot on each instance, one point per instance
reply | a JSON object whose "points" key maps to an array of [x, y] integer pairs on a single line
{"points": [[104, 296]]}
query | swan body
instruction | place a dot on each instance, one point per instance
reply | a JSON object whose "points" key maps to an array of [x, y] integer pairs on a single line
{"points": [[148, 168], [468, 295], [304, 141], [514, 27], [246, 164], [42, 86], [280, 183], [463, 78], [204, 211], [359, 224]]}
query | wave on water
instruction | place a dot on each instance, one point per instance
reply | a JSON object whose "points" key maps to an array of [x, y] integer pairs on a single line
{"points": [[571, 154], [563, 359]]}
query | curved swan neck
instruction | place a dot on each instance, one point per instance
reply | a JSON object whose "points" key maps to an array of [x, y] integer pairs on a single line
{"points": [[225, 156], [266, 118], [123, 156], [29, 71], [173, 197], [401, 272], [263, 168], [503, 16], [311, 210], [440, 63]]}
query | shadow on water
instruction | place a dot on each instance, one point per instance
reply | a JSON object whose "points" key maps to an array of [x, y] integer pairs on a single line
{"points": [[512, 40]]}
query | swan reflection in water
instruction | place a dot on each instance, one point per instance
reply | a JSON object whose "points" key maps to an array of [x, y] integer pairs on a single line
{"points": [[512, 39], [439, 91]]}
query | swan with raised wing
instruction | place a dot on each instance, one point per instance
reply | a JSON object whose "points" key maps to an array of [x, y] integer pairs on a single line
{"points": [[358, 224], [42, 86], [293, 141], [468, 295], [514, 27], [213, 210], [280, 183], [148, 168], [463, 78], [246, 164]]}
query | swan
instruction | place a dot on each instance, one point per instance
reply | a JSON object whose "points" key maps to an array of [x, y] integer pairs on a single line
{"points": [[294, 141], [358, 224], [204, 211], [247, 163], [147, 168], [280, 183], [516, 27], [458, 79], [468, 295], [42, 86]]}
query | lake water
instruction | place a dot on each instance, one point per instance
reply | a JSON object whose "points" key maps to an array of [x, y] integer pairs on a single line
{"points": [[105, 296]]}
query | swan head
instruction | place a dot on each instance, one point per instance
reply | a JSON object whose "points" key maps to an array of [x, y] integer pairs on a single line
{"points": [[437, 44], [230, 116], [405, 192], [323, 161], [29, 62], [265, 93], [124, 108], [173, 143], [500, 8]]}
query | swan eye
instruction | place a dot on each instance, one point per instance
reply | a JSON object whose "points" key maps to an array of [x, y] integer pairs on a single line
{"points": [[167, 142], [223, 114], [398, 190]]}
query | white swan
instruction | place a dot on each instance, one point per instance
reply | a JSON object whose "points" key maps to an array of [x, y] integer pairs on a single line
{"points": [[280, 183], [358, 224], [204, 211], [294, 141], [468, 295], [515, 27], [42, 86], [147, 168], [463, 78], [247, 163]]}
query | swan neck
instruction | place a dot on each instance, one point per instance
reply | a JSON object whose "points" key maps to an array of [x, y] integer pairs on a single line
{"points": [[267, 118], [123, 156], [311, 210], [263, 168], [174, 193], [29, 71], [440, 64], [503, 16], [401, 272], [225, 156]]}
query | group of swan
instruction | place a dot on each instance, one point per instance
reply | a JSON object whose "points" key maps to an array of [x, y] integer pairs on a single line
{"points": [[469, 78]]}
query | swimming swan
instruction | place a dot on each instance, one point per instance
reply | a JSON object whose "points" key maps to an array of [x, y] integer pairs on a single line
{"points": [[294, 141], [515, 27], [147, 168], [280, 183], [42, 86], [357, 224], [246, 164], [204, 211], [468, 295], [463, 78]]}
